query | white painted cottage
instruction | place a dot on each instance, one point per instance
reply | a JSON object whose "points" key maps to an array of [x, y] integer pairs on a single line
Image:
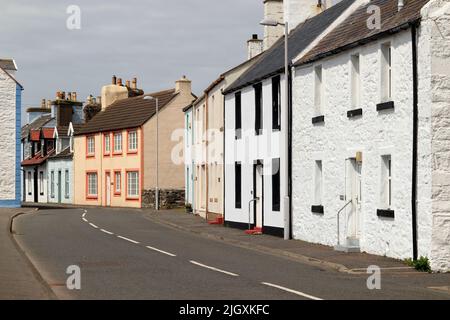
{"points": [[371, 133], [10, 122], [256, 167]]}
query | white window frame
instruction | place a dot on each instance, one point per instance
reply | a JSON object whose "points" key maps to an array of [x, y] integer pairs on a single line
{"points": [[117, 182], [318, 90], [355, 65], [132, 184], [386, 71], [107, 140], [92, 184], [386, 182], [91, 146], [117, 142], [67, 184], [132, 140], [318, 182]]}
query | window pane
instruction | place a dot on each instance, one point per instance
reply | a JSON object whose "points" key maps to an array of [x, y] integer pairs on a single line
{"points": [[133, 184], [238, 185], [276, 185]]}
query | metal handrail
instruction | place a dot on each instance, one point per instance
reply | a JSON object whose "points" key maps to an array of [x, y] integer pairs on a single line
{"points": [[338, 221], [249, 212]]}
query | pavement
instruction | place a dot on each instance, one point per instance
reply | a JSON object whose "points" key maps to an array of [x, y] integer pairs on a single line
{"points": [[305, 252], [18, 278], [140, 254]]}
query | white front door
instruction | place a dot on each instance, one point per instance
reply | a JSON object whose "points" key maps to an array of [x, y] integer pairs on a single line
{"points": [[259, 195], [108, 189], [353, 221]]}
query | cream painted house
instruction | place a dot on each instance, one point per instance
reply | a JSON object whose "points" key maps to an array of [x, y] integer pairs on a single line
{"points": [[115, 153], [207, 151]]}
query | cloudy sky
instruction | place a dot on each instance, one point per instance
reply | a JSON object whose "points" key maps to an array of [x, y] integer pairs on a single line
{"points": [[157, 41]]}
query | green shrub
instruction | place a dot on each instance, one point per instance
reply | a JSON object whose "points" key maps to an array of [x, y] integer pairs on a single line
{"points": [[422, 264]]}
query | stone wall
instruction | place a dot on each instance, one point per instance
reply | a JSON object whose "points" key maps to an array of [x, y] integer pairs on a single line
{"points": [[168, 199]]}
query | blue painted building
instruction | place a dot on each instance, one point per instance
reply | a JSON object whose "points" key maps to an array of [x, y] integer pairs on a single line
{"points": [[10, 134]]}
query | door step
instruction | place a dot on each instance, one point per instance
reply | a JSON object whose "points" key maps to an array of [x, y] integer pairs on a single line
{"points": [[255, 231], [351, 246], [217, 221]]}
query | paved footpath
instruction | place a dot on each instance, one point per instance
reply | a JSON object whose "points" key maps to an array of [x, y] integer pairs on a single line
{"points": [[18, 278]]}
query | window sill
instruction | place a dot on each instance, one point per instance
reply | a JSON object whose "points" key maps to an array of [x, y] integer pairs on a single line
{"points": [[133, 198], [317, 209], [117, 194], [354, 113], [132, 152], [90, 156], [386, 213], [386, 106], [92, 198], [117, 154], [318, 120]]}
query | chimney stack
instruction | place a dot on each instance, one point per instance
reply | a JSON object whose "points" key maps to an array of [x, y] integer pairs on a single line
{"points": [[69, 96], [114, 80], [43, 104], [74, 96], [134, 84], [184, 86], [119, 82], [128, 84], [254, 47], [49, 104], [273, 10]]}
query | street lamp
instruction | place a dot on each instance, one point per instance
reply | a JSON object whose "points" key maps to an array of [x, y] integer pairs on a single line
{"points": [[284, 133], [157, 151]]}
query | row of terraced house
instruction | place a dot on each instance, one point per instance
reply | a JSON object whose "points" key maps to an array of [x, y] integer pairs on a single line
{"points": [[347, 149]]}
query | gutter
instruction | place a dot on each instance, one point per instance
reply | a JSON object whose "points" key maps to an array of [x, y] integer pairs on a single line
{"points": [[415, 139]]}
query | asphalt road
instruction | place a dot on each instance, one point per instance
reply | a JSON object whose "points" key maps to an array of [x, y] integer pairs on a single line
{"points": [[124, 254]]}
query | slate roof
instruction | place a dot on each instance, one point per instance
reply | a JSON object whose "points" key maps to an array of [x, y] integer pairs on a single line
{"points": [[127, 113], [271, 62], [62, 155], [36, 160], [353, 31], [35, 125]]}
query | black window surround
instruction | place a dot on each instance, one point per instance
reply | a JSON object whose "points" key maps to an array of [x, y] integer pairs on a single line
{"points": [[317, 209], [238, 115], [276, 104], [354, 113], [238, 185], [276, 181], [386, 213], [385, 106], [318, 119], [258, 109]]}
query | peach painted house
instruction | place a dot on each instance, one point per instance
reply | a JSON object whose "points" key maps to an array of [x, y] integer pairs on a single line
{"points": [[115, 161]]}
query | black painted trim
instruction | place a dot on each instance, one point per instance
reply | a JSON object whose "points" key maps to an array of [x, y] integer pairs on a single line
{"points": [[385, 106], [237, 225], [274, 231], [354, 113], [318, 119], [317, 209], [386, 213]]}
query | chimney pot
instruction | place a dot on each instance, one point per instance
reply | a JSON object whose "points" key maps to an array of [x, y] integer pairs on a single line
{"points": [[43, 104], [49, 104], [401, 4], [74, 96], [69, 96], [114, 80], [134, 83], [119, 82], [128, 83]]}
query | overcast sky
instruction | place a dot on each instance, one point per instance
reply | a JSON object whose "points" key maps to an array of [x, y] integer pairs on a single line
{"points": [[157, 41]]}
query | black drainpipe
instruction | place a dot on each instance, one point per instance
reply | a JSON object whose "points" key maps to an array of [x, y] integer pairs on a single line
{"points": [[290, 84], [415, 139]]}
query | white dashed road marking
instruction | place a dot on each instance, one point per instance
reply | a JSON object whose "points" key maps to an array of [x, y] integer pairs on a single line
{"points": [[105, 231], [93, 225], [161, 251], [214, 269], [291, 291], [129, 240]]}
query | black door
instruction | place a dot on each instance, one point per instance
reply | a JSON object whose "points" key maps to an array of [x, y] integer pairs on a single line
{"points": [[36, 194]]}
